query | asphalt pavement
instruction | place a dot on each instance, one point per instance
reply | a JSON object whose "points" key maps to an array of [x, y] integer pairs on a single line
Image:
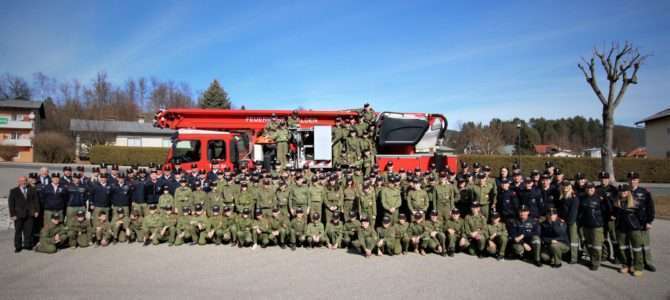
{"points": [[132, 271]]}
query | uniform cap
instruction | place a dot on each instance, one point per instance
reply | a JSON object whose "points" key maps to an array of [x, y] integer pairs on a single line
{"points": [[119, 210], [603, 175], [633, 175], [81, 213], [386, 220]]}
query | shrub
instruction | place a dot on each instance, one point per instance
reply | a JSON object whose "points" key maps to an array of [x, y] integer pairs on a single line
{"points": [[651, 170], [7, 153], [127, 156], [53, 147]]}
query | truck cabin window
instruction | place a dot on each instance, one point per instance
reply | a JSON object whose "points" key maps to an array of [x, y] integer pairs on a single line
{"points": [[216, 150], [186, 151]]}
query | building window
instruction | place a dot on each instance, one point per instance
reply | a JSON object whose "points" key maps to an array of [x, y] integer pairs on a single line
{"points": [[14, 135], [134, 142], [216, 150], [186, 151]]}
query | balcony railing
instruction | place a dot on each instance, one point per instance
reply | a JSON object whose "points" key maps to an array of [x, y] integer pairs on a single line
{"points": [[16, 124], [17, 143]]}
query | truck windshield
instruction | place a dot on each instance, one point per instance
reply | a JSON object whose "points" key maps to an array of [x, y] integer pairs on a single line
{"points": [[186, 151]]}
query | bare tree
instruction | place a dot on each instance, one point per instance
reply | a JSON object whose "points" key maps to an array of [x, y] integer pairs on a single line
{"points": [[14, 87], [621, 65], [44, 86], [142, 91]]}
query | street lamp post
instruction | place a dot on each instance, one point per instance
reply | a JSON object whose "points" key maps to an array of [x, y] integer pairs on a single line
{"points": [[518, 147]]}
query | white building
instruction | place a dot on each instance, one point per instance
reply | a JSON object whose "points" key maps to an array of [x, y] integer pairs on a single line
{"points": [[117, 133], [657, 134]]}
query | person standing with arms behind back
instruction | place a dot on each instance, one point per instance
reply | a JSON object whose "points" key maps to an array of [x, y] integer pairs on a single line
{"points": [[23, 208]]}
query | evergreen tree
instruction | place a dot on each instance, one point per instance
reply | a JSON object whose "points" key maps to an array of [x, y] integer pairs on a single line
{"points": [[215, 97]]}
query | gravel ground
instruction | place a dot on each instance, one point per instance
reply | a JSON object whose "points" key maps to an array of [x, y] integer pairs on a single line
{"points": [[133, 272]]}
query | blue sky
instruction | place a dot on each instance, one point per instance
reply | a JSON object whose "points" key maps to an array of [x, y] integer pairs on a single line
{"points": [[470, 60]]}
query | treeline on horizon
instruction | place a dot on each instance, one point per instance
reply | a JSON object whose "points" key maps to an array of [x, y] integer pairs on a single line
{"points": [[100, 99]]}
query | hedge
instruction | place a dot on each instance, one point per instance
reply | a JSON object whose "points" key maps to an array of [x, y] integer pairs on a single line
{"points": [[651, 170], [126, 156]]}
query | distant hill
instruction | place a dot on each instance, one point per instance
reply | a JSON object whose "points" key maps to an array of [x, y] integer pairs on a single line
{"points": [[636, 134]]}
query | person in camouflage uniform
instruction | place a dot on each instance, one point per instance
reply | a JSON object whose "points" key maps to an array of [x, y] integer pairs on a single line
{"points": [[79, 230], [244, 227], [416, 231], [279, 227], [120, 226], [388, 238], [153, 226], [135, 226], [298, 227], [183, 196], [497, 236], [434, 238], [184, 228], [199, 224], [103, 231], [454, 229], [53, 235], [475, 230], [334, 232], [366, 238]]}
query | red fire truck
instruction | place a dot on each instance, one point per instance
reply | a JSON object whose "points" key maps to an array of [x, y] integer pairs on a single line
{"points": [[232, 138]]}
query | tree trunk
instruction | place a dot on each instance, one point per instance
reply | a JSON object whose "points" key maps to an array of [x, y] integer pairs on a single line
{"points": [[607, 153]]}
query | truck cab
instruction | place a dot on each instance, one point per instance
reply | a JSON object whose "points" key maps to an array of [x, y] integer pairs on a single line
{"points": [[206, 148]]}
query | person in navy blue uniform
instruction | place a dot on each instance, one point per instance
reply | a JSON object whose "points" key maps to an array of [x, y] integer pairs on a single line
{"points": [[647, 213], [525, 236], [152, 189], [169, 180], [137, 192], [53, 198], [101, 192], [120, 196], [555, 237], [549, 194], [531, 197], [568, 208], [78, 195], [609, 193], [591, 218], [507, 202]]}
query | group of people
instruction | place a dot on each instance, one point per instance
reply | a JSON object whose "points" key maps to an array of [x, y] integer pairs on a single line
{"points": [[353, 138], [544, 218]]}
